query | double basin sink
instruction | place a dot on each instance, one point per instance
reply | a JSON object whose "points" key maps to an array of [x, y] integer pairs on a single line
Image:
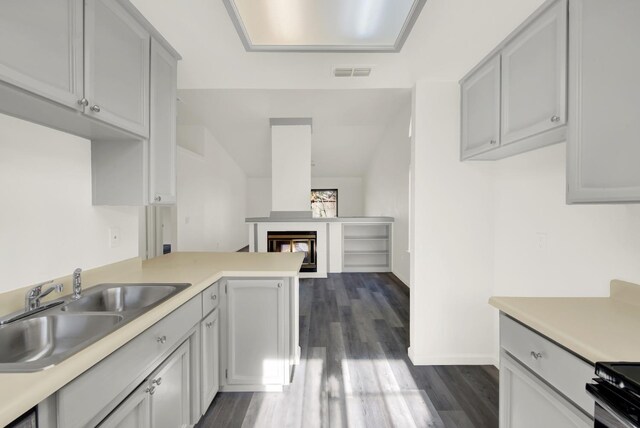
{"points": [[49, 337]]}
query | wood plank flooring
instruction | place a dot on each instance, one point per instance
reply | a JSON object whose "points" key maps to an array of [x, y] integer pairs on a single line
{"points": [[354, 333]]}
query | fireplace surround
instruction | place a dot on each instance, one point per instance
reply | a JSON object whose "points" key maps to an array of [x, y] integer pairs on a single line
{"points": [[295, 242]]}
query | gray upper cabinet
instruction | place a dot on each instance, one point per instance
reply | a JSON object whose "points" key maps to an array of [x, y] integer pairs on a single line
{"points": [[116, 67], [481, 109], [162, 138], [531, 106], [41, 48], [603, 147], [534, 76]]}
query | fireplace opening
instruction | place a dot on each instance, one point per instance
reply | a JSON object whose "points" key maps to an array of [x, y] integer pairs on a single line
{"points": [[295, 242]]}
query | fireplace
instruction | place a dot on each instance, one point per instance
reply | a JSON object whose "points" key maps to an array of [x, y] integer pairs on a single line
{"points": [[295, 242]]}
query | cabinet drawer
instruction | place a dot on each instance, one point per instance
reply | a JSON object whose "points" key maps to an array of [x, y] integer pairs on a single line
{"points": [[561, 369], [87, 397], [210, 298]]}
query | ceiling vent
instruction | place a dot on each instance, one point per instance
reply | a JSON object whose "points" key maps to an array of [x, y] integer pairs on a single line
{"points": [[352, 71]]}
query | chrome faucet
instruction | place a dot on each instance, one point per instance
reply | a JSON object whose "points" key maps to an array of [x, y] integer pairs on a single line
{"points": [[33, 296], [77, 284]]}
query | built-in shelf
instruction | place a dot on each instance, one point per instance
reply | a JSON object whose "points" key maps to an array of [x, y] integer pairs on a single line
{"points": [[366, 247]]}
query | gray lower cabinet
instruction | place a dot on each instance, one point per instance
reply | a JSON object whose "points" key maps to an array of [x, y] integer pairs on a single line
{"points": [[116, 66], [481, 109], [604, 102], [41, 48], [534, 79], [134, 412], [91, 397], [256, 343], [541, 384], [162, 401], [210, 351], [528, 402]]}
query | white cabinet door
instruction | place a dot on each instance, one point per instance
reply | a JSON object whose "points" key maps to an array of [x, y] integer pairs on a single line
{"points": [[116, 67], [210, 359], [603, 144], [255, 332], [481, 109], [162, 136], [170, 391], [534, 76], [527, 402], [41, 48], [134, 412]]}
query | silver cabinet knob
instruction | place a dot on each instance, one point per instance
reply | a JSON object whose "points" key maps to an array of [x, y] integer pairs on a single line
{"points": [[95, 108], [161, 339], [83, 102], [492, 142], [156, 381], [214, 297], [209, 324], [158, 198], [555, 119], [536, 355], [279, 285]]}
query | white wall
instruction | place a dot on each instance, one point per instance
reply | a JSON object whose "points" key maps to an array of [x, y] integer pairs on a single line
{"points": [[258, 197], [498, 228], [387, 187], [452, 240], [350, 195], [211, 195], [48, 226], [290, 167], [544, 247]]}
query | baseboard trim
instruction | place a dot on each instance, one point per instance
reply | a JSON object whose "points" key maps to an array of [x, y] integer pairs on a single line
{"points": [[452, 360]]}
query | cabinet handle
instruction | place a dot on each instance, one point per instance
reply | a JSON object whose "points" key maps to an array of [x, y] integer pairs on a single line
{"points": [[150, 389], [156, 381], [492, 142], [158, 198], [279, 285], [95, 108], [536, 355], [214, 296], [83, 102], [161, 339], [555, 119], [209, 324]]}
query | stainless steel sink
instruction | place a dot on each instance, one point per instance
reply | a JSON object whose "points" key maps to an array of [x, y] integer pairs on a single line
{"points": [[49, 337], [121, 298], [34, 343]]}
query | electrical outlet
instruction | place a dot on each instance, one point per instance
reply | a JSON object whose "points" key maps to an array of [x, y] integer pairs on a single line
{"points": [[114, 237]]}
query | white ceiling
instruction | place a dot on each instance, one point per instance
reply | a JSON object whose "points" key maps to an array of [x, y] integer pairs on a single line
{"points": [[323, 25], [449, 37], [348, 125]]}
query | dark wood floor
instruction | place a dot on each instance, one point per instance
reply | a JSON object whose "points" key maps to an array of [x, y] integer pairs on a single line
{"points": [[354, 332]]}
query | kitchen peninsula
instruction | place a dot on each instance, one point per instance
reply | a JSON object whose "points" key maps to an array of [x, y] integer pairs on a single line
{"points": [[235, 295]]}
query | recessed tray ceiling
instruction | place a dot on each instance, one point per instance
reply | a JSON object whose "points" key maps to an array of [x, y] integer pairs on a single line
{"points": [[324, 25]]}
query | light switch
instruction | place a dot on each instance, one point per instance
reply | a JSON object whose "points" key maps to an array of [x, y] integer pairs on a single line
{"points": [[541, 241]]}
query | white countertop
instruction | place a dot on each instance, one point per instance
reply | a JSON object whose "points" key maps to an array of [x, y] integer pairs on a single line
{"points": [[596, 328], [21, 391]]}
